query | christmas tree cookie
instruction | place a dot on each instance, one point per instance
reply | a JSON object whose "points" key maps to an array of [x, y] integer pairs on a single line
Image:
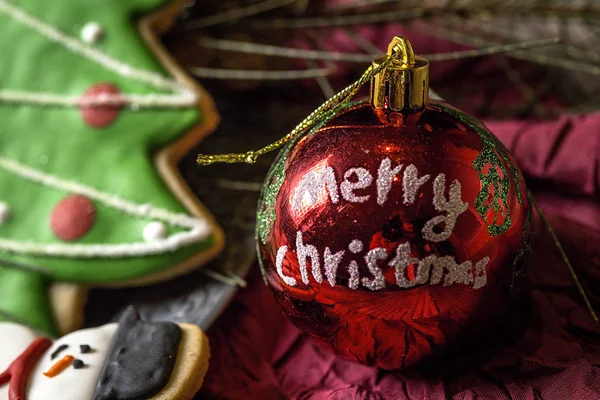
{"points": [[94, 118]]}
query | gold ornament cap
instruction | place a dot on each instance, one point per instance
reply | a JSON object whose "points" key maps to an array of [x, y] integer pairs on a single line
{"points": [[402, 86]]}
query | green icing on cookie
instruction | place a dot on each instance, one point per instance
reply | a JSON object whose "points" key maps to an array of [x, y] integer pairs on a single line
{"points": [[116, 159], [24, 299]]}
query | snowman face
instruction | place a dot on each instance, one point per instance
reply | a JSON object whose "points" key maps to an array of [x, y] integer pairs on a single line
{"points": [[14, 339], [71, 383]]}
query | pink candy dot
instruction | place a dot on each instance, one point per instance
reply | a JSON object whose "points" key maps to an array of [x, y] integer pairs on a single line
{"points": [[99, 116], [72, 217]]}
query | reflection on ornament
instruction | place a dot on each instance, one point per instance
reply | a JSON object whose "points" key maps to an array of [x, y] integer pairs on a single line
{"points": [[314, 190], [92, 32], [155, 230], [5, 213], [394, 229]]}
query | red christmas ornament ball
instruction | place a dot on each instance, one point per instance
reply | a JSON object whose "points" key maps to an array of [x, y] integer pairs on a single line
{"points": [[393, 239]]}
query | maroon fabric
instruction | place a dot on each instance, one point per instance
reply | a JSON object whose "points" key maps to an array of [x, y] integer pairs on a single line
{"points": [[548, 347]]}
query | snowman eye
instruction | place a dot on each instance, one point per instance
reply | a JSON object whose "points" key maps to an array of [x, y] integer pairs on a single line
{"points": [[58, 350], [85, 348]]}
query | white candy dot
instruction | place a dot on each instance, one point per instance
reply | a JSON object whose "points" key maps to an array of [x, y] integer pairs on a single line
{"points": [[4, 213], [154, 231], [91, 32]]}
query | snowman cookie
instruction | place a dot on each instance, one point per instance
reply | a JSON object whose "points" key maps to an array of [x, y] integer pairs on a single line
{"points": [[95, 118], [133, 359]]}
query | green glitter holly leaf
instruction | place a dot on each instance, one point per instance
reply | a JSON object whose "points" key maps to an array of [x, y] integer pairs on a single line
{"points": [[491, 202], [493, 165], [267, 205]]}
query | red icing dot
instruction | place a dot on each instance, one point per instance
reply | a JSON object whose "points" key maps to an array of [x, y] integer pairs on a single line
{"points": [[72, 217], [100, 116]]}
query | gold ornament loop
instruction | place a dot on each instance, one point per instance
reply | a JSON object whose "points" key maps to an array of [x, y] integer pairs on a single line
{"points": [[403, 87], [403, 47]]}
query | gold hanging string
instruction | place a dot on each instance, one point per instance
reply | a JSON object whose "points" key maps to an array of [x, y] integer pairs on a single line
{"points": [[314, 118], [563, 255], [340, 98], [331, 107]]}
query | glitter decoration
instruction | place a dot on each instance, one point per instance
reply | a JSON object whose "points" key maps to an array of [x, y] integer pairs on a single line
{"points": [[403, 260], [489, 156], [332, 262], [385, 176], [267, 205], [440, 287], [453, 207], [267, 211], [378, 281], [355, 246], [363, 180], [440, 265], [280, 256], [400, 262], [411, 183], [456, 273], [495, 183], [353, 280], [422, 271], [304, 251], [313, 183], [480, 273]]}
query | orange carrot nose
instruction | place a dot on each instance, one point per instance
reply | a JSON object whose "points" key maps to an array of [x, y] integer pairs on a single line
{"points": [[59, 366]]}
